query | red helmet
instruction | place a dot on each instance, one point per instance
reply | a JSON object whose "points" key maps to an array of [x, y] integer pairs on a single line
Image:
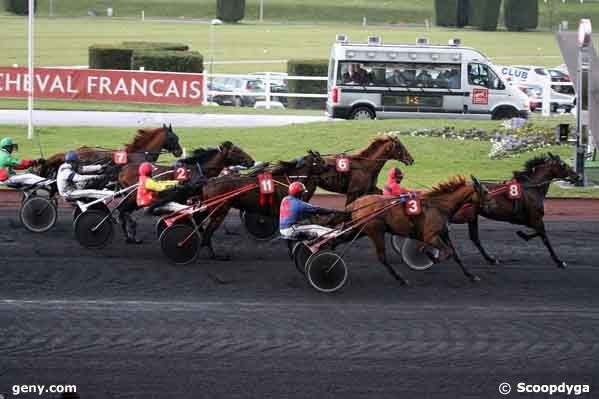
{"points": [[396, 172], [145, 169], [296, 187]]}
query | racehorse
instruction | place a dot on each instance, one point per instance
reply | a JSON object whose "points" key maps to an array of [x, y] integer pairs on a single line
{"points": [[146, 144], [306, 168], [528, 211], [364, 168], [203, 163], [438, 206]]}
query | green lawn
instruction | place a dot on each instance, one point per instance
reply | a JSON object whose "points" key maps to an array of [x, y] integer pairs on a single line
{"points": [[321, 11], [57, 44], [436, 159]]}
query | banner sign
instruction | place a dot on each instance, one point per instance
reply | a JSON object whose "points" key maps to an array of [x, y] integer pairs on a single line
{"points": [[104, 85]]}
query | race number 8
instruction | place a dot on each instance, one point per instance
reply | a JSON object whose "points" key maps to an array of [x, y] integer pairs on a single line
{"points": [[514, 191], [413, 207], [120, 157]]}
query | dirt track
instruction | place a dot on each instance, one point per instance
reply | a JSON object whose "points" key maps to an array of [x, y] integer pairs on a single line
{"points": [[123, 323]]}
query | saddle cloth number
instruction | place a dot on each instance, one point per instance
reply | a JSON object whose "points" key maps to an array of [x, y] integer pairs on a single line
{"points": [[181, 174], [514, 191], [267, 185], [413, 207], [120, 157], [342, 164]]}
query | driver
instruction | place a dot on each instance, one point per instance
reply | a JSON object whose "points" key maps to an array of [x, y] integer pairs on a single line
{"points": [[293, 210], [148, 190], [8, 164], [73, 178], [393, 185]]}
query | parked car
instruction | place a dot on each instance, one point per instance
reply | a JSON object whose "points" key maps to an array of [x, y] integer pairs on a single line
{"points": [[240, 89], [561, 77]]}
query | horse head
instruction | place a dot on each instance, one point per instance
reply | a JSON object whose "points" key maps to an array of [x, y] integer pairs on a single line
{"points": [[171, 141], [234, 155], [315, 163], [399, 151], [561, 170], [481, 196]]}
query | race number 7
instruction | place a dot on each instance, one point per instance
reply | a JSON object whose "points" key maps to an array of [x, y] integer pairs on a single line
{"points": [[413, 207], [120, 157], [267, 185], [342, 164], [514, 191]]}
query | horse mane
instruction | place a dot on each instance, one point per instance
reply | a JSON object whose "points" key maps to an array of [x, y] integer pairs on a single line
{"points": [[142, 138], [447, 187], [531, 164], [374, 143]]}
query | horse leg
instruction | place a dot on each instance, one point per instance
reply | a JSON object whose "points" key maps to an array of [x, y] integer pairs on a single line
{"points": [[128, 224], [540, 231], [474, 237], [473, 277], [377, 236], [216, 220]]}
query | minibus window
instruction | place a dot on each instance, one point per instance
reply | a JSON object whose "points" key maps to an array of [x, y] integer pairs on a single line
{"points": [[482, 75]]}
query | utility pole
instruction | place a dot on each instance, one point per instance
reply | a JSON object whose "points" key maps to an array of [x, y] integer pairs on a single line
{"points": [[583, 92], [30, 47]]}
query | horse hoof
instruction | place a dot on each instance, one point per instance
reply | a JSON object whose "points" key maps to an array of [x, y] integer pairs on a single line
{"points": [[562, 265], [475, 278], [493, 261], [405, 283], [133, 241]]}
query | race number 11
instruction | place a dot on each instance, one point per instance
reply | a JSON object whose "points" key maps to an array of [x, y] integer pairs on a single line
{"points": [[267, 185]]}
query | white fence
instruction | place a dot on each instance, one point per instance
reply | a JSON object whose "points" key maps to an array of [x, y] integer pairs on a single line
{"points": [[267, 78]]}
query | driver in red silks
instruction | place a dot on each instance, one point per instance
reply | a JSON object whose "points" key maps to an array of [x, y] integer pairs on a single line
{"points": [[393, 185]]}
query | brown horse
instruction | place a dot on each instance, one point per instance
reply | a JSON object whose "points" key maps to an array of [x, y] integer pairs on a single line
{"points": [[203, 163], [430, 227], [308, 167], [528, 211], [365, 166], [146, 144]]}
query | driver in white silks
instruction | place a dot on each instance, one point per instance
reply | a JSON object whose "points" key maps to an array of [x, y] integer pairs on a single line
{"points": [[72, 179]]}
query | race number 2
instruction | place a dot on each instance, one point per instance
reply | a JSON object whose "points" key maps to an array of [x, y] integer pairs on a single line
{"points": [[267, 185], [181, 174], [120, 157], [514, 191], [342, 164], [413, 207]]}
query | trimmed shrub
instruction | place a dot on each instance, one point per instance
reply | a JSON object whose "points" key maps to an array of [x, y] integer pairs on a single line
{"points": [[109, 57], [230, 10], [521, 14], [484, 14], [156, 46], [307, 68], [171, 61], [19, 7], [446, 12]]}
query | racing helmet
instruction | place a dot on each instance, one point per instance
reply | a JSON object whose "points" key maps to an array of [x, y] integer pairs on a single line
{"points": [[296, 188], [71, 156], [9, 145], [145, 169], [397, 172]]}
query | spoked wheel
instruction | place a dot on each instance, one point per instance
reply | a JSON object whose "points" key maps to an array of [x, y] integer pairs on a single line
{"points": [[326, 271], [76, 213], [260, 227], [160, 227], [413, 256], [301, 253], [38, 214], [94, 229], [180, 243]]}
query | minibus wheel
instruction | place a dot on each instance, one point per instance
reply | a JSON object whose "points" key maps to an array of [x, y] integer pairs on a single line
{"points": [[362, 113], [505, 113]]}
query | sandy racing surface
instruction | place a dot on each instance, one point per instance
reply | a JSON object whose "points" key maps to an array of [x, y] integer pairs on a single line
{"points": [[124, 323]]}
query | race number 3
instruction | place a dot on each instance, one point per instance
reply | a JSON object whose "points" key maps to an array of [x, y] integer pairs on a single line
{"points": [[342, 164], [514, 191], [120, 157], [267, 185], [181, 174], [413, 207]]}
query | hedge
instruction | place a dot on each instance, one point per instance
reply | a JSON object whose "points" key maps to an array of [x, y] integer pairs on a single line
{"points": [[156, 46], [19, 7], [316, 67], [121, 56], [484, 14], [521, 14], [230, 10], [446, 12], [171, 61]]}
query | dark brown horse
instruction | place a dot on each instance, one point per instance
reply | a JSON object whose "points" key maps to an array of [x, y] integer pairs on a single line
{"points": [[203, 163], [430, 227], [527, 211], [146, 144], [365, 166], [305, 169]]}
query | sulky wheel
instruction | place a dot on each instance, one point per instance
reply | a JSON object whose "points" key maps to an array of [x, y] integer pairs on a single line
{"points": [[260, 227], [301, 253], [160, 227], [180, 243], [413, 256], [326, 271], [94, 229], [38, 214]]}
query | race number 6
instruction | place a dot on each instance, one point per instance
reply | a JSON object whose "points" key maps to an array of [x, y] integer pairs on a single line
{"points": [[342, 164], [120, 157], [413, 207], [514, 191]]}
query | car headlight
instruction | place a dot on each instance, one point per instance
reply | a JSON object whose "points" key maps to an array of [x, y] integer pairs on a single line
{"points": [[526, 105]]}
